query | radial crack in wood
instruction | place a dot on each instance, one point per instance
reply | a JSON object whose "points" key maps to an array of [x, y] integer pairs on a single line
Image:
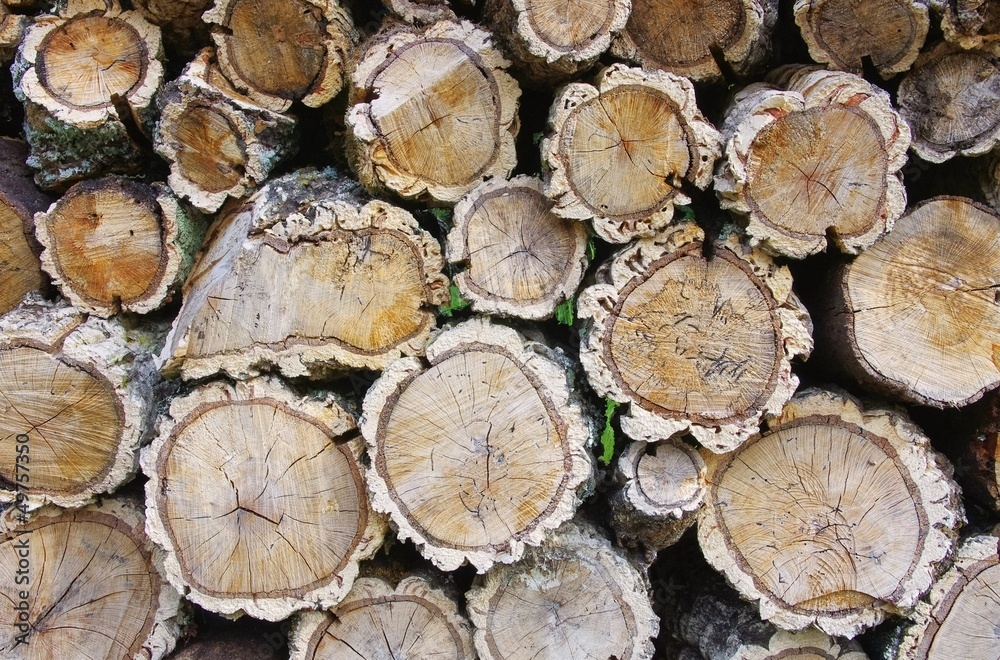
{"points": [[20, 269], [693, 344], [413, 620], [961, 616], [796, 518], [817, 161], [433, 112], [916, 317], [970, 24], [480, 453], [691, 37], [75, 404], [218, 143], [258, 498], [521, 259], [94, 587], [280, 51], [619, 153], [577, 596], [72, 72], [366, 282], [662, 487], [551, 40], [114, 244], [951, 100]]}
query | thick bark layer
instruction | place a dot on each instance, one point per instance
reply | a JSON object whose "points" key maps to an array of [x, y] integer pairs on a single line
{"points": [[433, 111], [796, 518], [970, 24], [575, 597], [521, 259], [76, 397], [20, 269], [219, 144], [480, 453], [366, 282], [618, 154], [915, 317], [251, 522], [114, 244], [693, 344], [817, 158]]}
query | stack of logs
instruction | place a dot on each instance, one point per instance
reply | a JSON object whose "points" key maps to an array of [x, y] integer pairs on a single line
{"points": [[519, 329]]}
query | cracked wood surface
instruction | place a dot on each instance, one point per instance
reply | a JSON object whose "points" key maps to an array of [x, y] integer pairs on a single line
{"points": [[693, 344], [482, 451], [258, 498], [796, 518]]}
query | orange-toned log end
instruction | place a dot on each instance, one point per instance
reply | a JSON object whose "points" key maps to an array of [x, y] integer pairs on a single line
{"points": [[94, 587], [796, 517], [20, 270]]}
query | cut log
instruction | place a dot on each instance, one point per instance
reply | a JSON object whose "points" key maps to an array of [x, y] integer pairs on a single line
{"points": [[11, 30], [575, 597], [218, 144], [480, 453], [179, 21], [693, 344], [961, 616], [915, 317], [420, 12], [841, 33], [797, 517], [366, 282], [817, 162], [433, 112], [618, 153], [76, 396], [951, 100], [521, 259], [93, 587], [413, 620], [20, 270], [662, 487], [692, 37], [970, 24], [552, 40], [250, 522], [114, 244], [977, 451], [281, 51], [76, 74]]}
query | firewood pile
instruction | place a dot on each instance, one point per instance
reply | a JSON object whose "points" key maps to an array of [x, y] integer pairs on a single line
{"points": [[503, 329]]}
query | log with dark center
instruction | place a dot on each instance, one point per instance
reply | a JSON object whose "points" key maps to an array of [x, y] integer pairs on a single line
{"points": [[258, 499], [796, 518], [480, 453]]}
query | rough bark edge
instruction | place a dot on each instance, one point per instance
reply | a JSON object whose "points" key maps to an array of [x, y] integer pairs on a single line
{"points": [[809, 640], [340, 40], [303, 359], [577, 541], [595, 303], [172, 614], [704, 151], [540, 62], [550, 368], [806, 15], [420, 13], [18, 191], [457, 250], [930, 472], [759, 105], [12, 27], [118, 355], [936, 153], [372, 164], [745, 55], [839, 337], [180, 235], [954, 33], [329, 412], [30, 88], [974, 555], [267, 137], [307, 624]]}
